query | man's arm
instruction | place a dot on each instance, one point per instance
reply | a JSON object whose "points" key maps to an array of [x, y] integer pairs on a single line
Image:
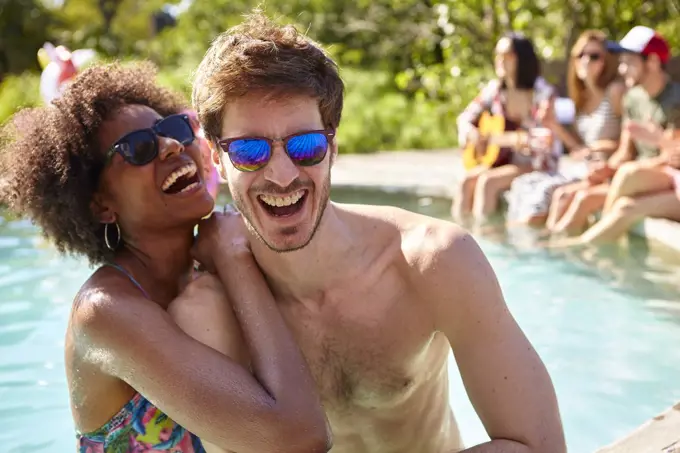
{"points": [[504, 377], [622, 101], [625, 151]]}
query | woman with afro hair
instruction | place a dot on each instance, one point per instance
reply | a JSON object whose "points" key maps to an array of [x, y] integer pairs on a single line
{"points": [[156, 357]]}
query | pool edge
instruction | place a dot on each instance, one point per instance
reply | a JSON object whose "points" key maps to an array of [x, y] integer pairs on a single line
{"points": [[660, 434]]}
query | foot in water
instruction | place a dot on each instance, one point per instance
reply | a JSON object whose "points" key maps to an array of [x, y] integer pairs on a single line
{"points": [[563, 243]]}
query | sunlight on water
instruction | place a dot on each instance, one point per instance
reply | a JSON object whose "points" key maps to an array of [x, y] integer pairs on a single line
{"points": [[606, 323]]}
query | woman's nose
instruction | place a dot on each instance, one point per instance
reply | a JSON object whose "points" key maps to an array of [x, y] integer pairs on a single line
{"points": [[168, 147]]}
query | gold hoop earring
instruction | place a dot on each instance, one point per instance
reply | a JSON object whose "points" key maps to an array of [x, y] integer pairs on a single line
{"points": [[106, 236]]}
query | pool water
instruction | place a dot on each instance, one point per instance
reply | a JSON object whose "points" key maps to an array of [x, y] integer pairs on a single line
{"points": [[605, 322]]}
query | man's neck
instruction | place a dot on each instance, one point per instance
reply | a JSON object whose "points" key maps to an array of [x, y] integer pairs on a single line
{"points": [[306, 273], [654, 84]]}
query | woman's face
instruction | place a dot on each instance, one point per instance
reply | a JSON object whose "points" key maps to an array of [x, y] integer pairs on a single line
{"points": [[505, 60], [590, 61], [151, 197]]}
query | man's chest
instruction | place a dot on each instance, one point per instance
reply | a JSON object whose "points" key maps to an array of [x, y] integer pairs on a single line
{"points": [[364, 349]]}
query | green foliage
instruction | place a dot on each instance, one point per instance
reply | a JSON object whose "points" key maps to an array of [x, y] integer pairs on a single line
{"points": [[114, 27], [18, 92], [23, 29], [375, 117], [410, 65]]}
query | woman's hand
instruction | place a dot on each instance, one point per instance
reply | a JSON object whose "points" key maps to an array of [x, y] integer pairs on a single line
{"points": [[546, 113], [598, 169], [580, 153], [220, 236]]}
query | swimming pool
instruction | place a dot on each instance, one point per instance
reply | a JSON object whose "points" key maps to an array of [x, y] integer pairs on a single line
{"points": [[607, 325]]}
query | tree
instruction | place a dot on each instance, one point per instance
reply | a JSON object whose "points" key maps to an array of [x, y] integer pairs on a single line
{"points": [[114, 27], [24, 27]]}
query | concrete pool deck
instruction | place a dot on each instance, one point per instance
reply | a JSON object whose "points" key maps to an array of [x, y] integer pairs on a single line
{"points": [[661, 434], [434, 173]]}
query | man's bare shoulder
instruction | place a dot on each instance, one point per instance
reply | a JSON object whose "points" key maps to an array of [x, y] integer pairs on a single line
{"points": [[424, 241]]}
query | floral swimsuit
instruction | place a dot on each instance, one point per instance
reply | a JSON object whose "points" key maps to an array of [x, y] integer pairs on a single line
{"points": [[139, 427]]}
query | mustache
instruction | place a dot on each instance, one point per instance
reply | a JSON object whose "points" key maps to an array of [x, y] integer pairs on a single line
{"points": [[271, 188]]}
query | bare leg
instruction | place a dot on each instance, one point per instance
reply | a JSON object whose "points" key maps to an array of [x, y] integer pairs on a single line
{"points": [[490, 186], [585, 203], [537, 220], [627, 211], [462, 202], [631, 179], [561, 199]]}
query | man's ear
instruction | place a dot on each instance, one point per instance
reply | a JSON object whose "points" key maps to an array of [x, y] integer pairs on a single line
{"points": [[655, 62], [334, 149], [102, 209], [217, 159]]}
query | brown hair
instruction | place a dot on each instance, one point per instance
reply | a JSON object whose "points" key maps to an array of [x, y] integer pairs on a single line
{"points": [[51, 160], [575, 86], [260, 56]]}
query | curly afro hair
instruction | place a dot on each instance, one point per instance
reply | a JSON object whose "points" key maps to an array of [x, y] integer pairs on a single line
{"points": [[51, 160]]}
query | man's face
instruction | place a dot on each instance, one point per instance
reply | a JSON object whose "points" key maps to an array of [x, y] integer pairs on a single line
{"points": [[633, 69], [282, 203]]}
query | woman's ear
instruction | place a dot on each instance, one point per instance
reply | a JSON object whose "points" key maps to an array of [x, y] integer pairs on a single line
{"points": [[101, 209]]}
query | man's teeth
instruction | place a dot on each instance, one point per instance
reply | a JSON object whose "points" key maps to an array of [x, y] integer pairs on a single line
{"points": [[273, 200], [187, 170]]}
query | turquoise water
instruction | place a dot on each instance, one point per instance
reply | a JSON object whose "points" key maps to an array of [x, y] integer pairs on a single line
{"points": [[606, 323]]}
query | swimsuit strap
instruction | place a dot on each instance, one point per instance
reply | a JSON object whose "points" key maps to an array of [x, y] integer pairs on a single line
{"points": [[132, 279]]}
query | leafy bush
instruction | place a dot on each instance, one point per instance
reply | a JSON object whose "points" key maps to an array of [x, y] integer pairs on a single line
{"points": [[17, 92], [376, 116]]}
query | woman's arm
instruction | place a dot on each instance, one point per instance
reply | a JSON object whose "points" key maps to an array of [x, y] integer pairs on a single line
{"points": [[548, 118], [468, 118], [570, 139], [203, 312], [214, 397]]}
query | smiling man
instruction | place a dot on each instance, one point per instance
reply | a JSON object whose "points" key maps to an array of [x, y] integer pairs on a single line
{"points": [[376, 297]]}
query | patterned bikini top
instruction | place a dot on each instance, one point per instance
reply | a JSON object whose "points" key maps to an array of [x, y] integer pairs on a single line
{"points": [[139, 427]]}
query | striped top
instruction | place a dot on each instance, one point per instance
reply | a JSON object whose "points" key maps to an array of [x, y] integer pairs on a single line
{"points": [[601, 124]]}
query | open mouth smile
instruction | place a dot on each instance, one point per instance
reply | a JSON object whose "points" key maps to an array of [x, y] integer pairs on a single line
{"points": [[283, 205], [182, 180]]}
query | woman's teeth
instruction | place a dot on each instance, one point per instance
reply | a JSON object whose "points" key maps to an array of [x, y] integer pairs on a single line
{"points": [[187, 170], [189, 187], [273, 200]]}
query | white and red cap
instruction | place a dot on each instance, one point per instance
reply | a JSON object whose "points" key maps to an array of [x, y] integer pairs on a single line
{"points": [[642, 41]]}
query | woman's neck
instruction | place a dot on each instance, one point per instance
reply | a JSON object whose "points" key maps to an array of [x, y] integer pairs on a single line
{"points": [[162, 263], [592, 87], [509, 84]]}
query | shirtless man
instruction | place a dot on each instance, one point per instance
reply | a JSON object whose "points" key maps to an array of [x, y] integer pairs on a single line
{"points": [[376, 297]]}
